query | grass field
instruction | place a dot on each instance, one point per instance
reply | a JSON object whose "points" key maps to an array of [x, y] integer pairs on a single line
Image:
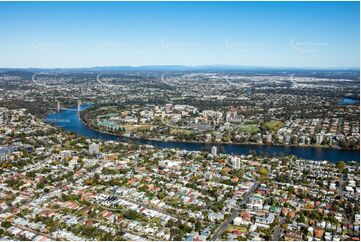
{"points": [[273, 125], [232, 227], [133, 127], [181, 131], [250, 122], [249, 128]]}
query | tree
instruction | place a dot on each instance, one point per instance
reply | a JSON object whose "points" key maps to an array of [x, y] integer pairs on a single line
{"points": [[131, 214], [89, 181], [6, 224], [284, 226], [301, 219], [191, 220], [178, 238], [263, 171], [341, 165], [40, 185], [198, 226]]}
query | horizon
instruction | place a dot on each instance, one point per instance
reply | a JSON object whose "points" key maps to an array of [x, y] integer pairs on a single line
{"points": [[206, 66], [61, 35], [220, 66]]}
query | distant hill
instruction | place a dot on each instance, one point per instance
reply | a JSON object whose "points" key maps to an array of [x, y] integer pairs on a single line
{"points": [[337, 73], [14, 72], [179, 68]]}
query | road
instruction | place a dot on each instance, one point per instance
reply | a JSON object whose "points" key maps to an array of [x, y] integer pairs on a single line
{"points": [[340, 187], [234, 213], [277, 232], [347, 217], [26, 228], [31, 230], [127, 230], [174, 216]]}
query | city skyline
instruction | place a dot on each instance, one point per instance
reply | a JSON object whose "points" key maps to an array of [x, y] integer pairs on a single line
{"points": [[262, 34]]}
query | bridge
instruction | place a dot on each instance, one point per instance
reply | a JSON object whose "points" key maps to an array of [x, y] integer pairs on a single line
{"points": [[60, 108]]}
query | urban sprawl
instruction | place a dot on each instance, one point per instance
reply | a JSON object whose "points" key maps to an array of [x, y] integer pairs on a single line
{"points": [[59, 185]]}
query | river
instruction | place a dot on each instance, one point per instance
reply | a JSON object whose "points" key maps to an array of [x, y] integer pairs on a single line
{"points": [[349, 101], [69, 120]]}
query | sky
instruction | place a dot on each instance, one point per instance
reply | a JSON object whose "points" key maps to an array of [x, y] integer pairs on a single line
{"points": [[87, 34]]}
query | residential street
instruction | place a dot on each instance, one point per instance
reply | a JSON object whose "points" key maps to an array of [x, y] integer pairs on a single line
{"points": [[234, 214], [278, 229]]}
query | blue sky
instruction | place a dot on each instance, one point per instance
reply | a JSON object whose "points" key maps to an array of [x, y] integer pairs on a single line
{"points": [[82, 34]]}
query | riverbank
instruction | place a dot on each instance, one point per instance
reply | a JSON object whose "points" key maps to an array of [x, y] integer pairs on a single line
{"points": [[69, 120], [213, 143]]}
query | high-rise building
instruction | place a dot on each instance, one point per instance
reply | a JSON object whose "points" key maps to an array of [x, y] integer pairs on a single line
{"points": [[302, 140], [236, 163], [214, 151], [269, 138], [168, 106], [208, 175], [5, 117], [330, 140], [287, 139], [93, 148], [319, 138]]}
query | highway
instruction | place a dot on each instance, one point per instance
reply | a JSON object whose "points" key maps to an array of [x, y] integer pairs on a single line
{"points": [[234, 213]]}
